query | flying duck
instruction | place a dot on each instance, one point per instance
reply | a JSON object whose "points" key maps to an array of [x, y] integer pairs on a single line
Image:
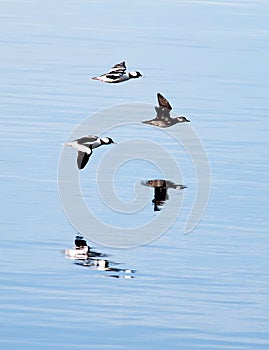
{"points": [[163, 118], [117, 74], [85, 145]]}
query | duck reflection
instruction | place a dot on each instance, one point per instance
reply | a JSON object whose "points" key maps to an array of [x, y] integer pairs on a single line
{"points": [[85, 256], [163, 118], [161, 191], [106, 265]]}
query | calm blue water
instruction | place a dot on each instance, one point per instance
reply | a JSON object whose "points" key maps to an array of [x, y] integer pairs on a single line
{"points": [[204, 290]]}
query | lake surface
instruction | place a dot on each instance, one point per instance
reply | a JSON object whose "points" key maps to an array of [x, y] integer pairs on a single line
{"points": [[207, 289]]}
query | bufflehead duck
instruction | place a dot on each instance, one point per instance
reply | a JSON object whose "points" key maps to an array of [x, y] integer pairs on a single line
{"points": [[81, 249], [85, 145], [117, 74], [163, 118]]}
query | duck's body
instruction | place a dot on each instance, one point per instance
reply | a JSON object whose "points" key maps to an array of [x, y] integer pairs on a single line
{"points": [[165, 122], [78, 253], [163, 118], [85, 145], [117, 74]]}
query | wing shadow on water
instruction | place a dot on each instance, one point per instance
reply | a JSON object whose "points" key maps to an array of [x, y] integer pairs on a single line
{"points": [[84, 255], [161, 191]]}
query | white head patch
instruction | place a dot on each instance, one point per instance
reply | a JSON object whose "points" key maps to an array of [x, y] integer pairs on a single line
{"points": [[105, 139], [134, 74]]}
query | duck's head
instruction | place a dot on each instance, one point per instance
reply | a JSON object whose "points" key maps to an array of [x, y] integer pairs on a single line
{"points": [[135, 75], [106, 140], [182, 119]]}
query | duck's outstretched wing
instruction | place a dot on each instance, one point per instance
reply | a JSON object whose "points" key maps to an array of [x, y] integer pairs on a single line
{"points": [[163, 102], [164, 108], [118, 68], [116, 71], [86, 140], [82, 159]]}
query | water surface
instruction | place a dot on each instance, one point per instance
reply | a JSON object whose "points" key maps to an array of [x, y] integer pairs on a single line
{"points": [[208, 289]]}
